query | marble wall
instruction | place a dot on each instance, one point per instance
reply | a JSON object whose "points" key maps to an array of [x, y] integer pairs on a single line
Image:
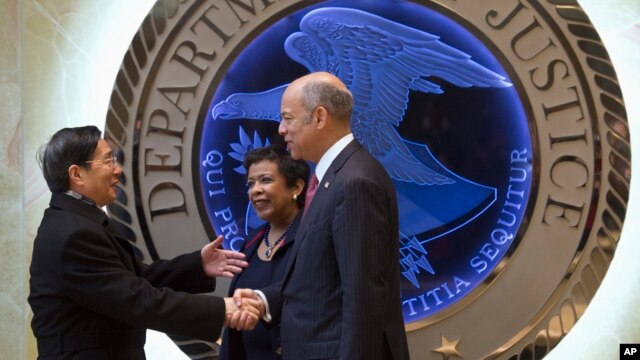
{"points": [[12, 258], [58, 61]]}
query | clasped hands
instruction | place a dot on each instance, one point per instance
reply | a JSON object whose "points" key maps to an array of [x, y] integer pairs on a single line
{"points": [[244, 310]]}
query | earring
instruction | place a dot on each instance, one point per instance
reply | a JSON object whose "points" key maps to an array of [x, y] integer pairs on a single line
{"points": [[294, 196]]}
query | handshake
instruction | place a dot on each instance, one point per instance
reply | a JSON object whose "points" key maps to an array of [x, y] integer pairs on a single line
{"points": [[243, 310]]}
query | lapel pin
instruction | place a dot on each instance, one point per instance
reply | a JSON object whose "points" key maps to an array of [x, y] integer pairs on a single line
{"points": [[326, 185]]}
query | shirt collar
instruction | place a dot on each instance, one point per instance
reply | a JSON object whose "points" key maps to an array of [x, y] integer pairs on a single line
{"points": [[74, 202], [84, 199], [331, 154]]}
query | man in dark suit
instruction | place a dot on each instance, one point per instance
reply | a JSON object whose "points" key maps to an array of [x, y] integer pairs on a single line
{"points": [[91, 297], [340, 298]]}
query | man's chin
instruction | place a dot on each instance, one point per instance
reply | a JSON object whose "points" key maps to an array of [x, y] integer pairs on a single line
{"points": [[294, 154], [112, 197]]}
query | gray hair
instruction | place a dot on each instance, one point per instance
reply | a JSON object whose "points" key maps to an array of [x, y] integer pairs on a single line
{"points": [[336, 100]]}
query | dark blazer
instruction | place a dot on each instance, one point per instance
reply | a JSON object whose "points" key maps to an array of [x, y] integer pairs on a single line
{"points": [[92, 299], [340, 298], [232, 346]]}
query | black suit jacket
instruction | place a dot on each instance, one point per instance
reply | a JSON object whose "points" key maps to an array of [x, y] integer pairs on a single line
{"points": [[340, 297], [92, 299]]}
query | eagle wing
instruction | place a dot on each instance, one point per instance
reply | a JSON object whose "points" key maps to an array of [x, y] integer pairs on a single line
{"points": [[381, 61]]}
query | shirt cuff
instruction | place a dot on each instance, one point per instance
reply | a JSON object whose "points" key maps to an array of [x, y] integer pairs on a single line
{"points": [[267, 313]]}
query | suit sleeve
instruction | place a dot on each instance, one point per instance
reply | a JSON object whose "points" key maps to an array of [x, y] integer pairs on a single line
{"points": [[94, 276], [273, 293], [361, 239], [182, 273]]}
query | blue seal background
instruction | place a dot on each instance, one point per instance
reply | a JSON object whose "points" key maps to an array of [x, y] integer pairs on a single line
{"points": [[471, 131]]}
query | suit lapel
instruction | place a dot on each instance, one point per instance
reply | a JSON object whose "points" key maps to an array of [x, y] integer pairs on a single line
{"points": [[327, 181], [324, 186], [254, 241], [96, 215], [251, 244]]}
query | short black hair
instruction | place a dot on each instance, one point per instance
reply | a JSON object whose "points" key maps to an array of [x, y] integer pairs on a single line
{"points": [[66, 147], [287, 166]]}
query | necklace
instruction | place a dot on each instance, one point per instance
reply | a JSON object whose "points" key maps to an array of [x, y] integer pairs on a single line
{"points": [[270, 247]]}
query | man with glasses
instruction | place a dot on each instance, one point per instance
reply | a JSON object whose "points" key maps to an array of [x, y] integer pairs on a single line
{"points": [[91, 297]]}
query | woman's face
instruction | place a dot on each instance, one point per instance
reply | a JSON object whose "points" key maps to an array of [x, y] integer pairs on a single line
{"points": [[269, 194]]}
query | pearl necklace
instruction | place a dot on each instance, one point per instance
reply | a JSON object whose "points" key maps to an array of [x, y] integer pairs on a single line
{"points": [[270, 247]]}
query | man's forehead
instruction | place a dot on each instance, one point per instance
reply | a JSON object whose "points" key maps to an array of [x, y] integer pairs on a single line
{"points": [[103, 147], [290, 101], [290, 108]]}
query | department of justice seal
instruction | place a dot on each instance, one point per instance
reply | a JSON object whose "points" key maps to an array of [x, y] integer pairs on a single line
{"points": [[501, 125]]}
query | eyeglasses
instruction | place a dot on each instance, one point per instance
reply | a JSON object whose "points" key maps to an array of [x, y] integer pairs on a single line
{"points": [[112, 161]]}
